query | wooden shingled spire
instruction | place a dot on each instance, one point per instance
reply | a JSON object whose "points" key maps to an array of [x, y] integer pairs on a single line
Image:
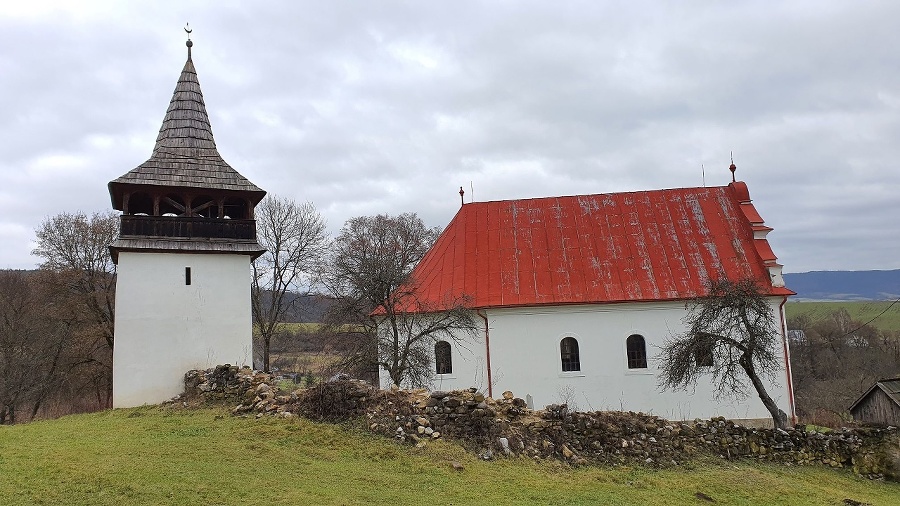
{"points": [[185, 153]]}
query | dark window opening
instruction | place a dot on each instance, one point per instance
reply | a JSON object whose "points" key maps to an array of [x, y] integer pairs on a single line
{"points": [[568, 352], [236, 209], [443, 362], [187, 275], [636, 350], [171, 205], [703, 352], [140, 203], [204, 207]]}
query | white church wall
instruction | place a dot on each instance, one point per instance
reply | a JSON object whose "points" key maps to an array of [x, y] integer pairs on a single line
{"points": [[525, 358], [467, 360], [165, 327]]}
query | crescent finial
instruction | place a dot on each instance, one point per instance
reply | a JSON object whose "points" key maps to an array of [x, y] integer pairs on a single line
{"points": [[187, 29]]}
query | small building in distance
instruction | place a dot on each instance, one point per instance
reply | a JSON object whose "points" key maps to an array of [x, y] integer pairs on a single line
{"points": [[880, 404]]}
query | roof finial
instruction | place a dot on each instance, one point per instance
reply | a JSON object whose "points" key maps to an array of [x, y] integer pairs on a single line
{"points": [[732, 168], [187, 28], [461, 193]]}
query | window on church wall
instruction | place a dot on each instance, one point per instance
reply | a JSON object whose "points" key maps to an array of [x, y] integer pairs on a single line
{"points": [[443, 360], [636, 351], [140, 203], [568, 352], [703, 353], [171, 205]]}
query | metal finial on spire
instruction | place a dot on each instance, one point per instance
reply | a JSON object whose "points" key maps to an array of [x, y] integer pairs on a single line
{"points": [[188, 30], [462, 192], [732, 168]]}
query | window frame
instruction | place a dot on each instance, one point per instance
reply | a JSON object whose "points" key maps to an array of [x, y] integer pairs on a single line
{"points": [[634, 357], [566, 358], [443, 349], [710, 341]]}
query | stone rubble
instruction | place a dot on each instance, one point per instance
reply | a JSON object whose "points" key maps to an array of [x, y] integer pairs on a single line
{"points": [[507, 427]]}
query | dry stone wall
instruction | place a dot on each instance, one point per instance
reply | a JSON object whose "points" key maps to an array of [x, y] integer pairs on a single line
{"points": [[505, 426]]}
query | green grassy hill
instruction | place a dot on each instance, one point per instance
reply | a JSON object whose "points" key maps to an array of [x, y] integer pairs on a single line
{"points": [[859, 310], [163, 456]]}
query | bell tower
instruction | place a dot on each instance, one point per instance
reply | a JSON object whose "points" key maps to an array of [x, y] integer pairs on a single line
{"points": [[186, 239]]}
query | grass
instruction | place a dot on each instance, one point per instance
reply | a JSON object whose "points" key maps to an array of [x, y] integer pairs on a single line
{"points": [[162, 456], [299, 327], [859, 310], [311, 327]]}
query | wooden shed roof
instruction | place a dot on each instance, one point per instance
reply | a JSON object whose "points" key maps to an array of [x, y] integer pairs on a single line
{"points": [[185, 153], [890, 387]]}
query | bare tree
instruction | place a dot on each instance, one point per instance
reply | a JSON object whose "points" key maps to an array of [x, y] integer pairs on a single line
{"points": [[408, 330], [31, 346], [837, 360], [368, 273], [295, 238], [74, 247], [733, 336], [52, 359]]}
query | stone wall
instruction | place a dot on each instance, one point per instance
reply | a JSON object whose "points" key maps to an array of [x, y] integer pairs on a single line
{"points": [[506, 427]]}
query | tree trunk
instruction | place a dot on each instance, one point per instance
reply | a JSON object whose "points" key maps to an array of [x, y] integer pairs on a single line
{"points": [[779, 417], [396, 377], [266, 341]]}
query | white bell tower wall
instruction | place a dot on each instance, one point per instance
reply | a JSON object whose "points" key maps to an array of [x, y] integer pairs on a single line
{"points": [[176, 312]]}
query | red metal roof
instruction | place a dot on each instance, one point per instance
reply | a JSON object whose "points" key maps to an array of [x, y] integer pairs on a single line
{"points": [[617, 247]]}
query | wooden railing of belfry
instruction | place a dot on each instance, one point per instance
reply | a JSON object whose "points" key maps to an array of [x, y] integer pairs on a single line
{"points": [[189, 228]]}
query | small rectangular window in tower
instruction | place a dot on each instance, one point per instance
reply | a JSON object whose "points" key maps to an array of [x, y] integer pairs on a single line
{"points": [[187, 275]]}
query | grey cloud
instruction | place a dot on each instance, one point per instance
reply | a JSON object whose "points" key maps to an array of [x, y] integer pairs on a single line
{"points": [[365, 107]]}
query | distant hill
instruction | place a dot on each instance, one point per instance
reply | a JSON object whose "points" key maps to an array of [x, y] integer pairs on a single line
{"points": [[304, 307], [845, 285]]}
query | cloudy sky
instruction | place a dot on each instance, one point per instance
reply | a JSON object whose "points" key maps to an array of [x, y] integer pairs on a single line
{"points": [[372, 107]]}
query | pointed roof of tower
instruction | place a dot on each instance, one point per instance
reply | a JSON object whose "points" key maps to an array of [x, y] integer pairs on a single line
{"points": [[185, 153]]}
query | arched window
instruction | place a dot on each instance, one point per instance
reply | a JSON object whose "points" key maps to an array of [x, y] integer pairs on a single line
{"points": [[443, 362], [636, 350], [568, 352], [140, 203], [703, 352]]}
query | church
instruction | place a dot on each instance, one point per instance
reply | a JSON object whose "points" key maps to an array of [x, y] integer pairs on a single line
{"points": [[574, 295]]}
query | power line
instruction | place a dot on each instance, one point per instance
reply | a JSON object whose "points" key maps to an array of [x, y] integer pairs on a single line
{"points": [[872, 320]]}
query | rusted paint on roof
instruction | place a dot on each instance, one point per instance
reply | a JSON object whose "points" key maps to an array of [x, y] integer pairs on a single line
{"points": [[604, 248]]}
